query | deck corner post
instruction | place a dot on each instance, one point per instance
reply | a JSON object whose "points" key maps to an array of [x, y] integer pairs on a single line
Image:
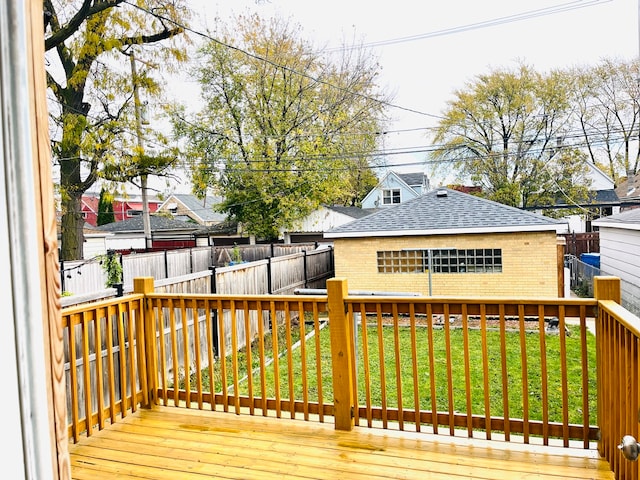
{"points": [[607, 288], [145, 285], [341, 354]]}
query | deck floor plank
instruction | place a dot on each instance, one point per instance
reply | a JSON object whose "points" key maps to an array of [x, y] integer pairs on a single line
{"points": [[169, 443]]}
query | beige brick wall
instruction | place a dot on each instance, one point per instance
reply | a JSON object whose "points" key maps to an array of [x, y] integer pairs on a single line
{"points": [[529, 265]]}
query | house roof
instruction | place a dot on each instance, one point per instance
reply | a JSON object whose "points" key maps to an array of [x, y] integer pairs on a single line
{"points": [[158, 223], [413, 178], [629, 189], [353, 212], [629, 220], [445, 211], [202, 208]]}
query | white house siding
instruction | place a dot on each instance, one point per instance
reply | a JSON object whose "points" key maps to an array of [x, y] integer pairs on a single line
{"points": [[391, 181], [124, 242], [322, 220], [620, 257], [94, 245]]}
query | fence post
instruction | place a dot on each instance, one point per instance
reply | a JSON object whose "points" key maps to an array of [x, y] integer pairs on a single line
{"points": [[341, 355], [145, 285]]}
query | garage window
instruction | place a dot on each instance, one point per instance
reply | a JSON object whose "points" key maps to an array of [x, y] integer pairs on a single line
{"points": [[475, 260]]}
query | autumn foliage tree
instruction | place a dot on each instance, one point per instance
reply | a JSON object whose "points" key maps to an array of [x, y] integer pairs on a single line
{"points": [[505, 132], [87, 44], [283, 127]]}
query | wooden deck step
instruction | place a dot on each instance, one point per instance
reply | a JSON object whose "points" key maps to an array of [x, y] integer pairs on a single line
{"points": [[178, 443]]}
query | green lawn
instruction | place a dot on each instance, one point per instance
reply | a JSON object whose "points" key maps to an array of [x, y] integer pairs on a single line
{"points": [[512, 352]]}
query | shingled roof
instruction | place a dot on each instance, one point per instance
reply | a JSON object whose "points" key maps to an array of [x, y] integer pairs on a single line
{"points": [[629, 219], [445, 211], [158, 223]]}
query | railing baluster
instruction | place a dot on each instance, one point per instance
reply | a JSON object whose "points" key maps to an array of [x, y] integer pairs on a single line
{"points": [[111, 373], [174, 352], [432, 370], [563, 370], [318, 353], [414, 366], [485, 370], [86, 364], [505, 374], [524, 373], [584, 362], [366, 366], [222, 356], [448, 360], [544, 374], [124, 399], [467, 369], [276, 357], [353, 329], [210, 352], [381, 363], [184, 319], [398, 362], [73, 373], [162, 315], [234, 357], [132, 359], [248, 356], [263, 368], [303, 359], [99, 367], [197, 354], [287, 327]]}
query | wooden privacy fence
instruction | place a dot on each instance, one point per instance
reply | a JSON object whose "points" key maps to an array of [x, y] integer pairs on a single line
{"points": [[87, 276], [274, 275]]}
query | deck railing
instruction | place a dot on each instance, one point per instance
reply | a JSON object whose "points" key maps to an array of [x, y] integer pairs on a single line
{"points": [[501, 368]]}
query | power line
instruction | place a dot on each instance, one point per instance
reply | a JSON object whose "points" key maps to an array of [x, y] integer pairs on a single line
{"points": [[565, 7], [277, 65]]}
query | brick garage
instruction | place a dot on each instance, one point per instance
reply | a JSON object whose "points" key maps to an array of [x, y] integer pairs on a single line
{"points": [[478, 247]]}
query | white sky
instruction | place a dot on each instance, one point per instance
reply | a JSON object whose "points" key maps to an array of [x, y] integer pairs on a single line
{"points": [[423, 73]]}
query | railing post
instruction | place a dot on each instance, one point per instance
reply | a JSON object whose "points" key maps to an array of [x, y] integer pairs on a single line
{"points": [[341, 354], [145, 285], [607, 288]]}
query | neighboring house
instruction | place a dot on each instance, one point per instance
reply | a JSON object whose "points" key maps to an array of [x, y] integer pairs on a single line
{"points": [[123, 208], [629, 192], [477, 247], [166, 233], [187, 207], [89, 206], [325, 218], [601, 202], [131, 207], [620, 253], [396, 188]]}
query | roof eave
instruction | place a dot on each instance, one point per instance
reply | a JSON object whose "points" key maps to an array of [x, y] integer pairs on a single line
{"points": [[448, 231]]}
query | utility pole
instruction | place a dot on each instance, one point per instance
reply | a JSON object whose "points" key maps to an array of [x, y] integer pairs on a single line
{"points": [[146, 220]]}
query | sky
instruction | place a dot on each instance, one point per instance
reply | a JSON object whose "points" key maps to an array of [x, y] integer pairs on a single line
{"points": [[428, 50]]}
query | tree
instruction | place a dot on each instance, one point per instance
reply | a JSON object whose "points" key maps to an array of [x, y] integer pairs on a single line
{"points": [[607, 97], [105, 208], [283, 129], [505, 132], [93, 116]]}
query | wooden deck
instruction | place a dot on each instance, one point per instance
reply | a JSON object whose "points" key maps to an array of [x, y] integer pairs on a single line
{"points": [[177, 443]]}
